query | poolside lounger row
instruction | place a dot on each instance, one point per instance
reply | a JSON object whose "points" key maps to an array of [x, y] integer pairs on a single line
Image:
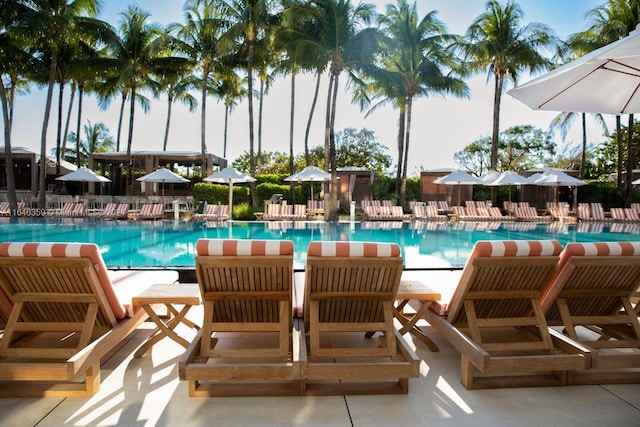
{"points": [[505, 317], [213, 212]]}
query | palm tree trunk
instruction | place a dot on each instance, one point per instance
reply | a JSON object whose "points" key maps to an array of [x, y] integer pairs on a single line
{"points": [[6, 119], [620, 154], [307, 158], [403, 186], [401, 124], [327, 125], [333, 190], [132, 110], [629, 177], [252, 158], [166, 128], [260, 105], [63, 147], [121, 119], [226, 128], [583, 159], [497, 96], [78, 139], [59, 133], [291, 120], [203, 117], [42, 179]]}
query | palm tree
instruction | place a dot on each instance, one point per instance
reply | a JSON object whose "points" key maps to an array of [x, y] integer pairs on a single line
{"points": [[497, 42], [608, 23], [54, 25], [13, 67], [176, 84], [416, 62], [341, 33], [97, 139], [230, 89], [249, 23], [200, 34]]}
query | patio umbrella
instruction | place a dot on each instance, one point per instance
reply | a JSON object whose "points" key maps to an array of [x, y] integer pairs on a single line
{"points": [[458, 178], [83, 174], [229, 176], [490, 176], [557, 178], [309, 174], [163, 175], [603, 81], [508, 178]]}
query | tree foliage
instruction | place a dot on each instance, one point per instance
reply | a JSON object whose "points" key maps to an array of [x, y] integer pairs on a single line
{"points": [[520, 147]]}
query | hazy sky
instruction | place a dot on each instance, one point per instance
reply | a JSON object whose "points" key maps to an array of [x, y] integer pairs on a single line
{"points": [[441, 126]]}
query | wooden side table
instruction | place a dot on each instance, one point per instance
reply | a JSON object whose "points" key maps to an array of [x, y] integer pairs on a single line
{"points": [[418, 291], [186, 295]]}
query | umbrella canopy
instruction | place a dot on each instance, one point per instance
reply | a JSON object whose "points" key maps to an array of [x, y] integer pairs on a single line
{"points": [[83, 174], [229, 176], [162, 175], [309, 174], [603, 81], [458, 178], [508, 178], [559, 179], [636, 182], [490, 176]]}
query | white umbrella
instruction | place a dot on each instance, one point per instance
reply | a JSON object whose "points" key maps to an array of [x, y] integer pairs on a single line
{"points": [[603, 81], [229, 176], [636, 182], [162, 175], [309, 174], [83, 174], [458, 178], [490, 176], [557, 178], [509, 178]]}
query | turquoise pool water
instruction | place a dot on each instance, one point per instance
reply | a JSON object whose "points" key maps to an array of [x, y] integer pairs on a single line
{"points": [[131, 244]]}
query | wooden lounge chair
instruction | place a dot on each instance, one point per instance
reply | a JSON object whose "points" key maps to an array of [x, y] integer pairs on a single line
{"points": [[530, 214], [245, 346], [67, 311], [591, 300], [495, 319], [213, 212], [428, 213], [350, 288]]}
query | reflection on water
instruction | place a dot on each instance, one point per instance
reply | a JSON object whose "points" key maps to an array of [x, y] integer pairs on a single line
{"points": [[172, 244]]}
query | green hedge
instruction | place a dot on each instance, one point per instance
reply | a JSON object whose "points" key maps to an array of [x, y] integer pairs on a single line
{"points": [[218, 193]]}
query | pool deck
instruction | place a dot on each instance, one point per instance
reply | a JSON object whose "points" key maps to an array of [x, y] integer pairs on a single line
{"points": [[147, 391]]}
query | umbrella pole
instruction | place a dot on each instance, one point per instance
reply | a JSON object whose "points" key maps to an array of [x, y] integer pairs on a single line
{"points": [[230, 195]]}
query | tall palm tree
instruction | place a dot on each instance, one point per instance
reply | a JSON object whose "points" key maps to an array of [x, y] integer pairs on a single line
{"points": [[230, 90], [249, 22], [56, 24], [610, 22], [342, 34], [201, 36], [13, 68], [176, 83], [499, 43], [416, 61]]}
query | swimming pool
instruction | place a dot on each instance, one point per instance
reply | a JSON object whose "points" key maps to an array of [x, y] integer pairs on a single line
{"points": [[168, 244]]}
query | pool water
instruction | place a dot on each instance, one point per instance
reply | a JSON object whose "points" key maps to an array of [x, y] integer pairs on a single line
{"points": [[168, 244]]}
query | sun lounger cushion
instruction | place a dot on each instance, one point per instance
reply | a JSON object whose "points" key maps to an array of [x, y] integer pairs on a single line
{"points": [[118, 287], [353, 249], [221, 247], [499, 248]]}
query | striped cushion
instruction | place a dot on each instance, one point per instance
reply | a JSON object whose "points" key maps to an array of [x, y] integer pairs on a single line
{"points": [[228, 247], [516, 248], [353, 249], [598, 249], [70, 250]]}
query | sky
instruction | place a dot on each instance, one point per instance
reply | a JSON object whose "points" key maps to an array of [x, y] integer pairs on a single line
{"points": [[441, 126]]}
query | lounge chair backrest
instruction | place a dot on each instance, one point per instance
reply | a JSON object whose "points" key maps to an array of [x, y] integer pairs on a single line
{"points": [[245, 280], [597, 274], [351, 280], [501, 277], [60, 269]]}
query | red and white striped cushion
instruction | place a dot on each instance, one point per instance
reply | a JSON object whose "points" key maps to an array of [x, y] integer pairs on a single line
{"points": [[352, 249], [516, 248], [229, 247], [599, 249]]}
